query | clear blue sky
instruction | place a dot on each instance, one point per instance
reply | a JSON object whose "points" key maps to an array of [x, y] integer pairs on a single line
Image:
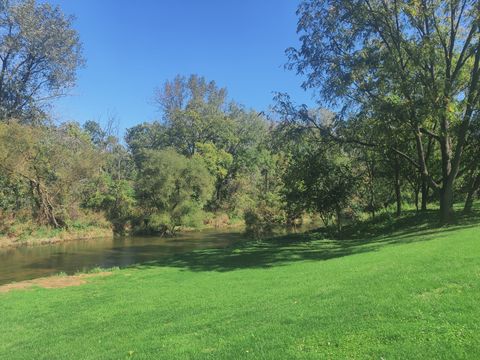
{"points": [[131, 47]]}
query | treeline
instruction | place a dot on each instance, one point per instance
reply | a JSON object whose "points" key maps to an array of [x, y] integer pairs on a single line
{"points": [[403, 80], [207, 162]]}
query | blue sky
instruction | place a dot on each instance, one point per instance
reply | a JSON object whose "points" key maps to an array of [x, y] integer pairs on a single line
{"points": [[131, 47]]}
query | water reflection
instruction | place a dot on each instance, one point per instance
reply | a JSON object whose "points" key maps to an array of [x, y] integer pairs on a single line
{"points": [[33, 262], [37, 261]]}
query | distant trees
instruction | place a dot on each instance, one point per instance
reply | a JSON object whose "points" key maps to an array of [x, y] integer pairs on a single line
{"points": [[193, 113], [218, 162], [112, 192], [39, 55], [472, 155], [199, 124]]}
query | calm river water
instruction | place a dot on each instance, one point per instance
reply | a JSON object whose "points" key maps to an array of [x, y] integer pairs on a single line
{"points": [[31, 262]]}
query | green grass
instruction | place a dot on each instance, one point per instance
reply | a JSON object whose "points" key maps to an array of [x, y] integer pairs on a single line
{"points": [[38, 235], [390, 289], [25, 231]]}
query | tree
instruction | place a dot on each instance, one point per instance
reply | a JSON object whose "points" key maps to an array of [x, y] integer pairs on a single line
{"points": [[112, 191], [146, 136], [193, 112], [116, 197], [473, 174], [424, 55], [264, 205], [39, 55], [319, 179], [198, 123], [171, 189], [218, 162], [55, 164], [97, 134]]}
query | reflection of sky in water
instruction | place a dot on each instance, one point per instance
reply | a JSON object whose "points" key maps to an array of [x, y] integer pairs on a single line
{"points": [[36, 261]]}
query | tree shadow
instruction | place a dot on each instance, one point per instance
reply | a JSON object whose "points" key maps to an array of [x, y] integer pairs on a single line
{"points": [[317, 245]]}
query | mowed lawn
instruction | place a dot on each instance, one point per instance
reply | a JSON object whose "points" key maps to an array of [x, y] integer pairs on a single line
{"points": [[414, 294]]}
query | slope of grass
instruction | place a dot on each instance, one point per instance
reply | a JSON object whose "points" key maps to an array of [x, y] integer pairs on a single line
{"points": [[411, 294]]}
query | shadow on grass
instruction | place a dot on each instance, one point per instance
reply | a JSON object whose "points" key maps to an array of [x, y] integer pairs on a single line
{"points": [[320, 244]]}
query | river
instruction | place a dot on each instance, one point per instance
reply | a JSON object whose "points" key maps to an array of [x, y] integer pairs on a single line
{"points": [[30, 262]]}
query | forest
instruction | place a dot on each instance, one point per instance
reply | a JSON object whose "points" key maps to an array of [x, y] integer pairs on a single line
{"points": [[397, 126]]}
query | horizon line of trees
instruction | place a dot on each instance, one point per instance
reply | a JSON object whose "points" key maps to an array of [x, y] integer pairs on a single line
{"points": [[402, 76]]}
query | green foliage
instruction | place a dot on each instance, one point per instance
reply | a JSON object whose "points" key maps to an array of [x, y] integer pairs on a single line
{"points": [[54, 164], [40, 52], [265, 205], [115, 197], [146, 136], [217, 161], [171, 188], [386, 64], [219, 164], [228, 140], [319, 179], [193, 113], [261, 220]]}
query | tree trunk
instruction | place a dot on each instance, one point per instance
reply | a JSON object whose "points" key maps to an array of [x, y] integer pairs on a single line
{"points": [[416, 200], [446, 204], [36, 202], [451, 159], [424, 195], [45, 210], [339, 218], [398, 192], [472, 192], [422, 158]]}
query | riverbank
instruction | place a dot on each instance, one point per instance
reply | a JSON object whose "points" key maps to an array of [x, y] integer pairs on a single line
{"points": [[53, 282], [36, 236], [50, 237], [94, 233], [401, 288]]}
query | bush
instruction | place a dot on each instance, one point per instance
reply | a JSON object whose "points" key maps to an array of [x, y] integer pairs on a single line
{"points": [[261, 220]]}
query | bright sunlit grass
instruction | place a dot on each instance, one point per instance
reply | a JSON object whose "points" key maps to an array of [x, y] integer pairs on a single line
{"points": [[411, 295]]}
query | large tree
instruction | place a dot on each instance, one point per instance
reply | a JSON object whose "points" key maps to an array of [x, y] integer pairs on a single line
{"points": [[421, 58], [53, 163], [193, 112], [198, 122], [171, 189], [39, 55]]}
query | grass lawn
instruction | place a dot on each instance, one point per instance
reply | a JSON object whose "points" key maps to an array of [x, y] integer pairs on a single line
{"points": [[393, 290]]}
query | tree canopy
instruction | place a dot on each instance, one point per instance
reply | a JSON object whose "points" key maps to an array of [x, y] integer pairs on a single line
{"points": [[39, 55], [397, 123], [408, 65]]}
